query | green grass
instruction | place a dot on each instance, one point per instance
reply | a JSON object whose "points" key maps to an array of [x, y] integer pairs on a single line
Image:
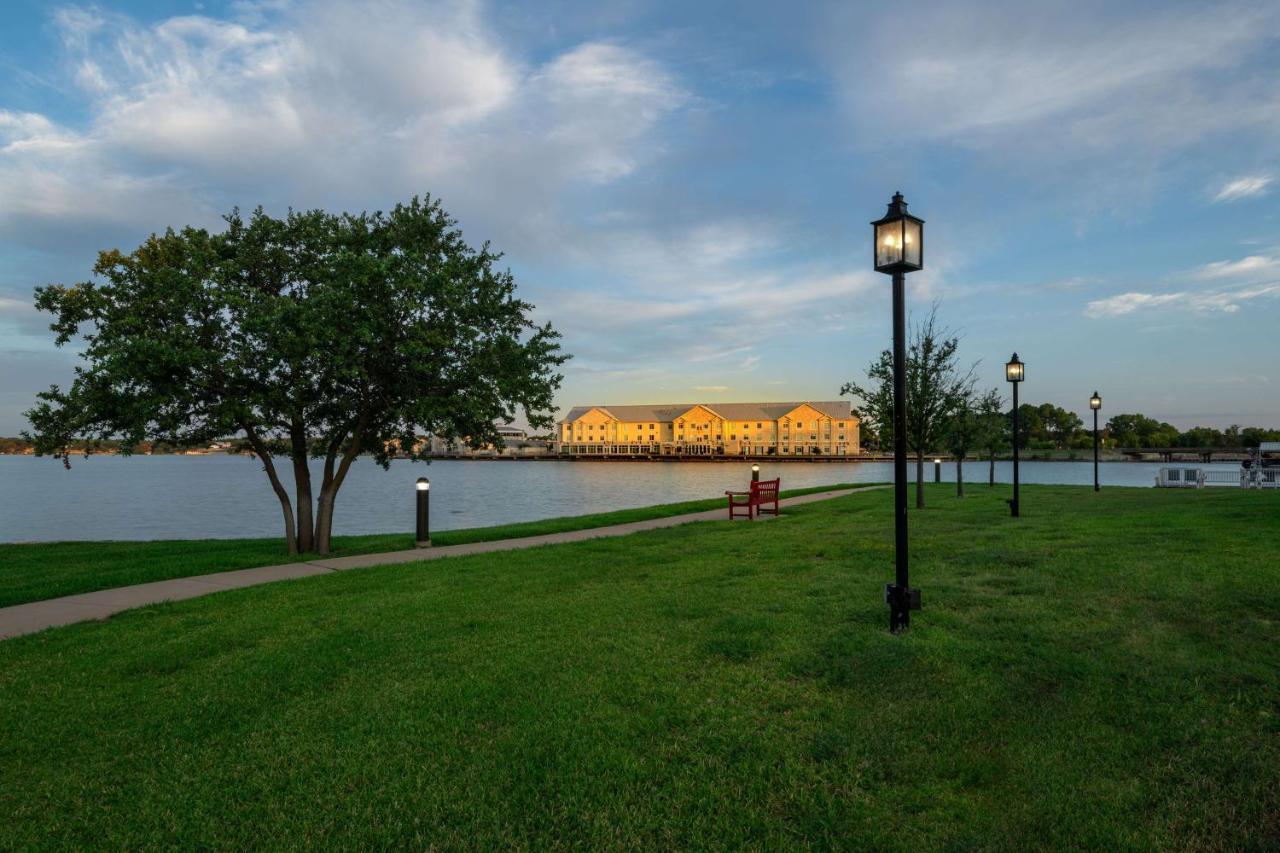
{"points": [[1100, 674], [38, 571]]}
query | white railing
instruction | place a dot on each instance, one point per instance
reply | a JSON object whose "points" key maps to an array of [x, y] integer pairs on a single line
{"points": [[1180, 478], [1199, 478], [1218, 477]]}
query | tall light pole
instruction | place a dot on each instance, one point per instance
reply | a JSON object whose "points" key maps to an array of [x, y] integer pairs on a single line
{"points": [[1015, 372], [1095, 403], [898, 249]]}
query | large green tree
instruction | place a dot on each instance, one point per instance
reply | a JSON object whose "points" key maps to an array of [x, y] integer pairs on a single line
{"points": [[1141, 431], [314, 336]]}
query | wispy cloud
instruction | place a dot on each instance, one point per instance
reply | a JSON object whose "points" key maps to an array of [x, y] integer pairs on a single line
{"points": [[711, 389], [1247, 187], [1251, 266], [1223, 301]]}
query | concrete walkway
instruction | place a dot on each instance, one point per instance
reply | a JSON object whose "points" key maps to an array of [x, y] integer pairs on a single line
{"points": [[39, 615]]}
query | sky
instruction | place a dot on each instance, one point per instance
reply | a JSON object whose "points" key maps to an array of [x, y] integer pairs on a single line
{"points": [[684, 189]]}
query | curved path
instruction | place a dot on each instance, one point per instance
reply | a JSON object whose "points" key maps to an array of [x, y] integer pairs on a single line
{"points": [[39, 615]]}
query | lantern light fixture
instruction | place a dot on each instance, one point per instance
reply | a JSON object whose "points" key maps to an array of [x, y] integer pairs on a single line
{"points": [[1015, 370], [899, 239]]}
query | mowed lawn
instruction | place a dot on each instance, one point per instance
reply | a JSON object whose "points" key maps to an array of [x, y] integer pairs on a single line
{"points": [[1102, 673], [43, 570]]}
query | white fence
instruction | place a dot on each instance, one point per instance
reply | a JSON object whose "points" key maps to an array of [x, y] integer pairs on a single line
{"points": [[1212, 477], [1180, 478], [1199, 478]]}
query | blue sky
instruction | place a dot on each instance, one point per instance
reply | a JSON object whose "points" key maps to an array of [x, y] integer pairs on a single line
{"points": [[684, 189]]}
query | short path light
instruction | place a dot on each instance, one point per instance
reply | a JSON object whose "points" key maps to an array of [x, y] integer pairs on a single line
{"points": [[1015, 372], [1095, 403], [755, 473], [423, 537], [937, 470], [897, 249]]}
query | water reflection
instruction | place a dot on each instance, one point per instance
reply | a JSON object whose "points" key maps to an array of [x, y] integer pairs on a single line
{"points": [[187, 497]]}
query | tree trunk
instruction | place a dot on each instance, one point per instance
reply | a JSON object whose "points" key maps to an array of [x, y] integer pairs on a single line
{"points": [[991, 473], [329, 491], [960, 475], [324, 519], [290, 532], [302, 486], [919, 481]]}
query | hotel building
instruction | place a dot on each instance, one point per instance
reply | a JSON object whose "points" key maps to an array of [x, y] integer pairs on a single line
{"points": [[711, 429]]}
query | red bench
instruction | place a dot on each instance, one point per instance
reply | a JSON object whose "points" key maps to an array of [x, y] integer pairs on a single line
{"points": [[755, 502]]}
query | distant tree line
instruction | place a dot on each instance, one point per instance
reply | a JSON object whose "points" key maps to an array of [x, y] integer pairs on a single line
{"points": [[18, 444], [948, 413], [1049, 427]]}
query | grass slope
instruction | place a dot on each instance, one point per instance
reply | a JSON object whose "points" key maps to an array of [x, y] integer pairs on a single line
{"points": [[37, 571], [1101, 673]]}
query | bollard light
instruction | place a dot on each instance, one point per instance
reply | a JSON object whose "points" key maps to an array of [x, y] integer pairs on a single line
{"points": [[897, 248], [755, 473], [937, 470], [422, 538], [1015, 372], [1095, 403]]}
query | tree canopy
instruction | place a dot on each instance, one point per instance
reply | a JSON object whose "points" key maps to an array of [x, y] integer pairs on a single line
{"points": [[935, 384], [315, 336]]}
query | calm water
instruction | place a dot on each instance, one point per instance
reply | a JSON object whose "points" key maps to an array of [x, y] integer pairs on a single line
{"points": [[188, 497]]}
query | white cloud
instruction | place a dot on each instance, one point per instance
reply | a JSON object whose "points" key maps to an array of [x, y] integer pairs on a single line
{"points": [[331, 104], [1127, 303], [704, 321], [711, 389], [1247, 187], [991, 70], [1223, 301], [1092, 109], [1251, 266]]}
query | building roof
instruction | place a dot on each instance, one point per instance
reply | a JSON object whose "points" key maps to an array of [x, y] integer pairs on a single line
{"points": [[729, 411]]}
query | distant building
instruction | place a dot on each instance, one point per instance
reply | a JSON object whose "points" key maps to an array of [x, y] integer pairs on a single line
{"points": [[515, 441], [712, 429]]}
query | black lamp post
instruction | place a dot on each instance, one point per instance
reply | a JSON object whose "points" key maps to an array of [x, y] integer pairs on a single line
{"points": [[1015, 372], [898, 249], [1095, 403], [423, 537], [755, 473], [937, 470]]}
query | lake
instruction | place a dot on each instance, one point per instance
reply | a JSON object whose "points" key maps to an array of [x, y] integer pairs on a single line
{"points": [[217, 496]]}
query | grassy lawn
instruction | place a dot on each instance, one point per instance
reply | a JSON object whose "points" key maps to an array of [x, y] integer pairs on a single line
{"points": [[1103, 673], [34, 572]]}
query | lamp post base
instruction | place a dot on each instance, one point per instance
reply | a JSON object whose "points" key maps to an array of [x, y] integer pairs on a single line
{"points": [[1013, 507], [422, 543], [901, 601]]}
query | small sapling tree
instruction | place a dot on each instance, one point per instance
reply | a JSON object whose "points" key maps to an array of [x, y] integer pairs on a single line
{"points": [[934, 378]]}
